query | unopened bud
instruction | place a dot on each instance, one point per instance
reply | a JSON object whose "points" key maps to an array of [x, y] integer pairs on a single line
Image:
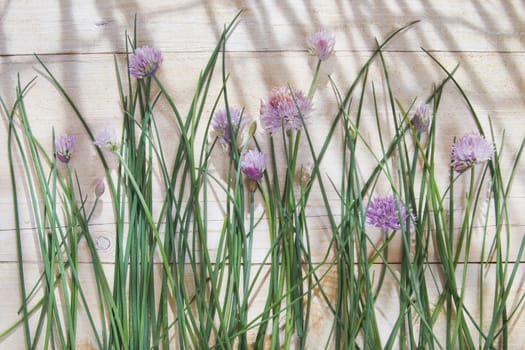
{"points": [[100, 187], [304, 175], [251, 184], [253, 128]]}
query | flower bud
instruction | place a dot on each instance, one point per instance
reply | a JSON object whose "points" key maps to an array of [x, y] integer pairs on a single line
{"points": [[100, 187], [304, 175], [253, 128], [251, 184]]}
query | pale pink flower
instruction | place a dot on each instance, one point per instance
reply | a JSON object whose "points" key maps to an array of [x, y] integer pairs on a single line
{"points": [[321, 44], [145, 62], [64, 146], [107, 138], [469, 150], [221, 127], [286, 109]]}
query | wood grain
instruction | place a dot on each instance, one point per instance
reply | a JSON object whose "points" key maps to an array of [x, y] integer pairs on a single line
{"points": [[94, 27]]}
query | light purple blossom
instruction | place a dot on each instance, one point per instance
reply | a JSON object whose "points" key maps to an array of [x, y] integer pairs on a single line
{"points": [[421, 119], [284, 109], [469, 150], [253, 165], [145, 62], [220, 125], [64, 146], [321, 44], [107, 138], [386, 213]]}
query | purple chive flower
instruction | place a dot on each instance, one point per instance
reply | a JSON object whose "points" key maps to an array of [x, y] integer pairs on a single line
{"points": [[321, 44], [284, 109], [421, 119], [220, 125], [64, 146], [145, 62], [253, 165], [469, 150], [386, 213], [107, 138]]}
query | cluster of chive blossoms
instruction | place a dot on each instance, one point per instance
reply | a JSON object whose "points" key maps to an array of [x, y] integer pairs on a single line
{"points": [[386, 213], [65, 145], [286, 109], [145, 62], [253, 163], [469, 150]]}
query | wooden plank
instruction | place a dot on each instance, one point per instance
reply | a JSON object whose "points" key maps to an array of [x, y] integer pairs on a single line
{"points": [[11, 303], [386, 305], [94, 27], [91, 78], [320, 235]]}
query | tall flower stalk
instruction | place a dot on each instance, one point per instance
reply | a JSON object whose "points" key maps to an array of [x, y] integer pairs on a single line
{"points": [[57, 207], [285, 115]]}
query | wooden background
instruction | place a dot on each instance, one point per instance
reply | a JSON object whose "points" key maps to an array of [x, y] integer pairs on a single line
{"points": [[78, 39]]}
